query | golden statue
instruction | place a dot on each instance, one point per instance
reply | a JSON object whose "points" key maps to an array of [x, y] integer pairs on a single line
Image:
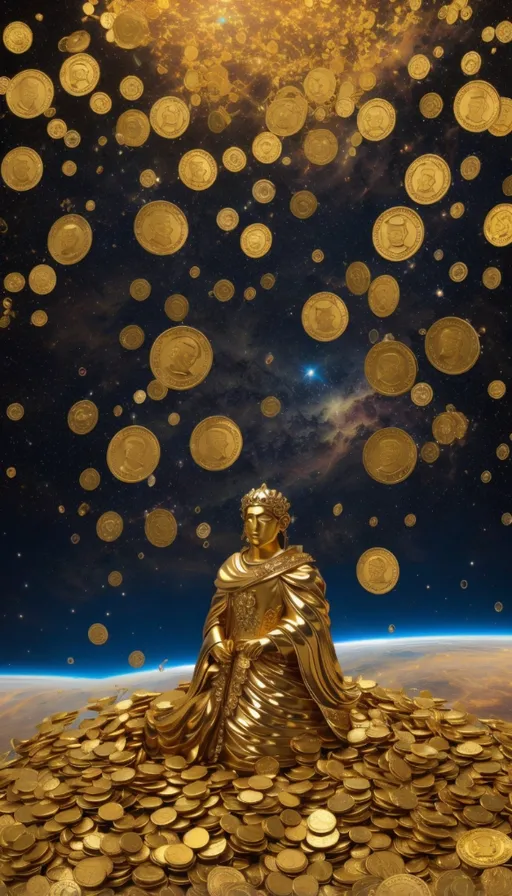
{"points": [[267, 671]]}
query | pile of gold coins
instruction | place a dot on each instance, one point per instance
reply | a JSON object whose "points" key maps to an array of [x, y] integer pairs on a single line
{"points": [[416, 801]]}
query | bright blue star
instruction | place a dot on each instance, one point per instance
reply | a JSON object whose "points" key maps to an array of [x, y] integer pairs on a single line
{"points": [[310, 373]]}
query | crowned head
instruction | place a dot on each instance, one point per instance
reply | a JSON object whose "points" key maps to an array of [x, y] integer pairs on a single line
{"points": [[265, 514]]}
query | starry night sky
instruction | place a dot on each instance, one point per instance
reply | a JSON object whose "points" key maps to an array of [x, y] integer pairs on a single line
{"points": [[53, 590]]}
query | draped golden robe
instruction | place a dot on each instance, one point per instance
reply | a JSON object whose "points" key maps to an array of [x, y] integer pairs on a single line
{"points": [[237, 712]]}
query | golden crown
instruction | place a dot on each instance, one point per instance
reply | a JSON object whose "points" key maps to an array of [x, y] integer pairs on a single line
{"points": [[267, 497]]}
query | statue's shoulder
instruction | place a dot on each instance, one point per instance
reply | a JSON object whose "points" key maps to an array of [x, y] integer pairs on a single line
{"points": [[226, 570]]}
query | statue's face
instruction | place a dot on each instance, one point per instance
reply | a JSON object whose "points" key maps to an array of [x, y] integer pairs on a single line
{"points": [[261, 526]]}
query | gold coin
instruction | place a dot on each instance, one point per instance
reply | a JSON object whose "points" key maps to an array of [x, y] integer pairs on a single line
{"points": [[250, 294], [78, 42], [224, 290], [139, 397], [109, 526], [418, 66], [69, 168], [42, 279], [317, 255], [234, 159], [156, 390], [403, 885], [502, 451], [161, 528], [256, 240], [227, 219], [14, 282], [320, 146], [270, 406], [458, 272], [389, 455], [181, 358], [452, 345], [83, 417], [79, 74], [504, 35], [10, 472], [496, 389], [169, 117], [203, 530], [22, 168], [266, 148], [15, 411], [444, 428], [391, 368], [147, 178], [422, 394], [498, 225], [491, 278], [410, 520], [133, 454], [131, 337], [136, 659], [98, 635], [324, 316], [197, 169], [427, 179], [431, 105], [216, 443], [220, 878], [337, 509], [69, 239], [506, 519], [140, 289], [345, 106], [376, 119], [29, 94], [471, 62], [161, 228], [357, 278], [115, 578], [488, 34], [470, 167], [484, 848], [131, 88], [398, 233], [130, 29], [320, 85], [117, 410], [476, 106], [133, 126], [383, 295], [17, 37], [263, 191], [303, 204], [287, 114], [377, 570], [100, 103], [39, 318], [430, 452], [457, 210], [72, 139], [176, 307], [89, 479]]}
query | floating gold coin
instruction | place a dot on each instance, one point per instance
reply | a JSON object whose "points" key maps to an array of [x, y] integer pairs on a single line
{"points": [[324, 316], [378, 571], [77, 42], [234, 159], [337, 509], [216, 443], [484, 848], [22, 168], [256, 240], [39, 318], [227, 219], [69, 239], [287, 114], [303, 204], [130, 29], [391, 368], [398, 233], [403, 885], [173, 419], [83, 417], [457, 210], [197, 169], [69, 168], [438, 254], [147, 178], [498, 225], [422, 394], [10, 472], [476, 106], [14, 282], [224, 290], [133, 126], [161, 528], [491, 278], [317, 255], [418, 66], [161, 228], [203, 530], [97, 634], [115, 578], [133, 454], [452, 345], [17, 37], [79, 74], [410, 520], [488, 34], [156, 390], [320, 85], [458, 272], [109, 526], [131, 337], [89, 479], [29, 93], [357, 278], [496, 389], [471, 62], [72, 139], [264, 191], [266, 148], [42, 279], [181, 358], [444, 428], [503, 451], [383, 295], [389, 455], [169, 117], [470, 167], [430, 452], [321, 146], [140, 289], [176, 307], [345, 106], [15, 411], [270, 406], [131, 88], [249, 293], [376, 119], [100, 103], [136, 659], [427, 179], [504, 35], [431, 105], [506, 519]]}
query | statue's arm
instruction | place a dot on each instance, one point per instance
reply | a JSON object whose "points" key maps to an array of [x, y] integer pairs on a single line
{"points": [[214, 633]]}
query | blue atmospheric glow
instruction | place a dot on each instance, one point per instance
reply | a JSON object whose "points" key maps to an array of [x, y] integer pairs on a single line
{"points": [[310, 372]]}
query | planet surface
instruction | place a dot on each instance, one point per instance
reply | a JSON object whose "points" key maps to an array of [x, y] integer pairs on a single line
{"points": [[471, 672]]}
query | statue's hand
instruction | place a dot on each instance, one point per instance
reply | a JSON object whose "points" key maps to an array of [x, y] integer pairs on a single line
{"points": [[223, 651], [254, 648]]}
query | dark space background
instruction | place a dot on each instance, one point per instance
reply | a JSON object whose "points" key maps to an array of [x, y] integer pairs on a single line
{"points": [[52, 590]]}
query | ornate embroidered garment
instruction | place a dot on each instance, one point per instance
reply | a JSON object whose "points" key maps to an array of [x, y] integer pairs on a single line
{"points": [[239, 711]]}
